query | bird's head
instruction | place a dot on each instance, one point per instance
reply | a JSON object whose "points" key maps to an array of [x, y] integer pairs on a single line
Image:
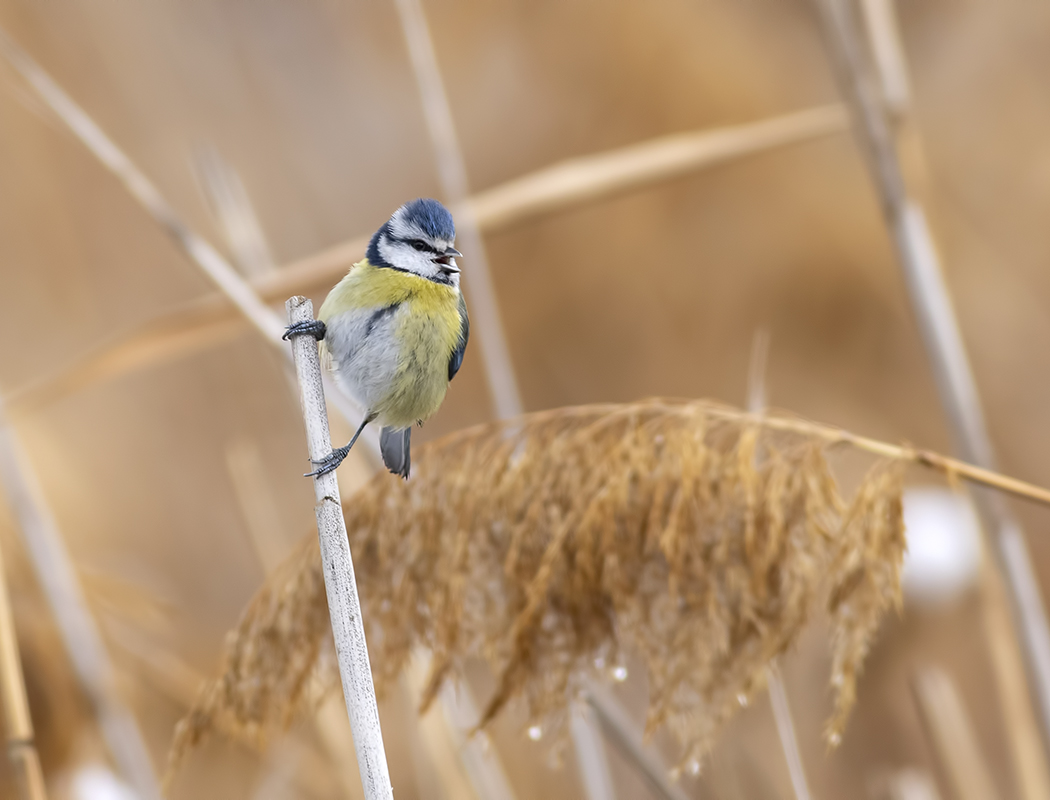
{"points": [[418, 239]]}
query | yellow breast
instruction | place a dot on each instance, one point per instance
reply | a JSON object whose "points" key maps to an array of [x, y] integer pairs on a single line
{"points": [[427, 331]]}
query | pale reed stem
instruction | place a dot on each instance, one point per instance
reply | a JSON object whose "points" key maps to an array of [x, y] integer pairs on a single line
{"points": [[340, 585], [622, 732], [452, 172], [939, 327], [18, 724], [757, 399], [952, 736], [83, 643], [238, 291], [484, 305], [212, 320]]}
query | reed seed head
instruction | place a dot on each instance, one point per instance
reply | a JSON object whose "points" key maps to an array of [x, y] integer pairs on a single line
{"points": [[684, 534]]}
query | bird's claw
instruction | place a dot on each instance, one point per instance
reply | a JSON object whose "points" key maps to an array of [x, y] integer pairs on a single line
{"points": [[328, 463], [308, 327]]}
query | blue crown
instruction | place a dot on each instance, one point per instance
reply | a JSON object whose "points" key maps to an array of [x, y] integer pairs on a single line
{"points": [[432, 218]]}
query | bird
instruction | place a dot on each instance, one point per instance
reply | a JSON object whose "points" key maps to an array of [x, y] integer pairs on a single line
{"points": [[394, 330]]}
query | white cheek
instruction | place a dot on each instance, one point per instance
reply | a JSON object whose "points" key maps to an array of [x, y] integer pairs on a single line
{"points": [[404, 256]]}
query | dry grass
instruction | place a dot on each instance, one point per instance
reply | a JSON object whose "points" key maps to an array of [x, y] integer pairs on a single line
{"points": [[60, 711], [684, 534]]}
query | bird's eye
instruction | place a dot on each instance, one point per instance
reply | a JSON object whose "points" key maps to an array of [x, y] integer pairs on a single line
{"points": [[418, 244]]}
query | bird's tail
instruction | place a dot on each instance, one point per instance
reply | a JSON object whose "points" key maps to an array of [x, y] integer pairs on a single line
{"points": [[394, 445]]}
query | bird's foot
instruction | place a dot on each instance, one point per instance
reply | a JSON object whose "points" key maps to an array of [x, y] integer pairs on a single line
{"points": [[309, 327], [329, 462]]}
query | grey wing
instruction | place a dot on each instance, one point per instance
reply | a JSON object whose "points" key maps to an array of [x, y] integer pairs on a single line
{"points": [[455, 361], [364, 351]]}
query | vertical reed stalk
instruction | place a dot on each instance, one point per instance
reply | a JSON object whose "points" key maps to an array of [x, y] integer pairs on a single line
{"points": [[54, 569], [495, 352], [590, 755], [452, 172], [272, 545], [18, 724], [340, 585], [433, 748], [952, 736], [880, 19], [955, 382], [444, 736], [757, 400], [619, 730], [1026, 746], [1022, 730], [786, 732], [482, 765]]}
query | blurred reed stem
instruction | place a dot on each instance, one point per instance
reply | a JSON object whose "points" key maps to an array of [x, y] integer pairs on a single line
{"points": [[484, 306], [244, 235], [237, 291], [778, 701], [455, 751], [952, 737], [340, 585], [180, 683], [452, 174], [951, 468], [243, 297], [435, 747], [271, 545], [621, 731], [18, 724], [959, 396], [1027, 749], [57, 576], [757, 400], [212, 320]]}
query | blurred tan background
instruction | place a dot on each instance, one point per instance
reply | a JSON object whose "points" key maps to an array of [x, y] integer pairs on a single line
{"points": [[655, 292]]}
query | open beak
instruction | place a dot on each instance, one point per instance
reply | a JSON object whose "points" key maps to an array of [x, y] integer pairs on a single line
{"points": [[445, 260]]}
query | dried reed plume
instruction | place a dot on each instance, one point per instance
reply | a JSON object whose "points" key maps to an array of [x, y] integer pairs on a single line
{"points": [[694, 537]]}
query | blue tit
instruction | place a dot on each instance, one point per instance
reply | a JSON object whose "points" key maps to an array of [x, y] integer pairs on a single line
{"points": [[394, 330]]}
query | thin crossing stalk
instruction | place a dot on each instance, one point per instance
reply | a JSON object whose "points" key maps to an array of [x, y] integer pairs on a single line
{"points": [[18, 724], [590, 755], [495, 352], [344, 605], [785, 723], [452, 173], [141, 188], [272, 544], [939, 327], [229, 281], [757, 400], [211, 321], [952, 736], [1026, 744], [54, 569], [446, 733], [621, 731]]}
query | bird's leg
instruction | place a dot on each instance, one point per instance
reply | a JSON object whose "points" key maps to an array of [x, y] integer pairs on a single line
{"points": [[308, 327], [335, 458]]}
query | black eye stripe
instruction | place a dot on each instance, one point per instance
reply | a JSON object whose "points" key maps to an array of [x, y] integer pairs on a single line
{"points": [[419, 244]]}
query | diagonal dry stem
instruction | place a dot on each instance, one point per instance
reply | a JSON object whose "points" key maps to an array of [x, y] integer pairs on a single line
{"points": [[212, 320]]}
